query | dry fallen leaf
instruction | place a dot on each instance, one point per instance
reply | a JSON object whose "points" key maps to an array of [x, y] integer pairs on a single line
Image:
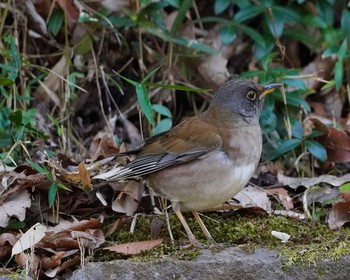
{"points": [[337, 143], [254, 197], [48, 88], [340, 212], [29, 239], [7, 240], [213, 69], [135, 248], [70, 7], [128, 198], [82, 176], [283, 196], [102, 146], [294, 183], [15, 206]]}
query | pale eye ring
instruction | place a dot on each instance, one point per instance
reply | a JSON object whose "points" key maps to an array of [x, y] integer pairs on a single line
{"points": [[251, 95]]}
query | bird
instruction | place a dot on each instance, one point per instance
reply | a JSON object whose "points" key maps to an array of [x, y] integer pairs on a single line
{"points": [[207, 159]]}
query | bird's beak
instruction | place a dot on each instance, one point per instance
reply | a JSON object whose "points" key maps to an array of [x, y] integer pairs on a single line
{"points": [[269, 88]]}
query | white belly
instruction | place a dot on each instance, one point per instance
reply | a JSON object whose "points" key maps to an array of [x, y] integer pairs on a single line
{"points": [[210, 183]]}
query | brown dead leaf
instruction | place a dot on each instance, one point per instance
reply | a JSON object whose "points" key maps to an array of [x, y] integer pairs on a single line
{"points": [[74, 235], [339, 215], [15, 206], [128, 198], [29, 261], [254, 197], [53, 261], [337, 143], [70, 8], [135, 248], [320, 67], [48, 88], [213, 69], [82, 225], [294, 183], [82, 176], [104, 146], [66, 264], [90, 238], [7, 240], [283, 196]]}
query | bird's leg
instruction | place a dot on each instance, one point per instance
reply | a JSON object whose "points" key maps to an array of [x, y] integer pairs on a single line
{"points": [[203, 227], [190, 235]]}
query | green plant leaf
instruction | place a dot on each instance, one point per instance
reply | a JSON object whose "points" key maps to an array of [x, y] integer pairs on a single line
{"points": [[5, 139], [316, 149], [345, 187], [162, 110], [345, 23], [295, 83], [195, 45], [228, 35], [57, 124], [152, 8], [37, 167], [276, 26], [174, 3], [181, 14], [144, 101], [162, 125], [249, 12], [16, 58], [342, 50], [268, 121], [16, 117], [325, 11], [6, 82], [254, 35], [177, 87], [142, 97], [221, 5], [51, 195], [151, 74], [182, 41], [287, 14], [19, 134], [294, 99], [297, 129], [338, 74], [288, 145], [315, 21], [63, 187], [84, 45], [118, 21], [28, 117], [56, 21]]}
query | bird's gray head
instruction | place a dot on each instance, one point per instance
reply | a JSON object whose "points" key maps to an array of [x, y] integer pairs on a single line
{"points": [[240, 100]]}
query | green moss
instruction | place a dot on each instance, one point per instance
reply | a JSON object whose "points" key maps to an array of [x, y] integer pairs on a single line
{"points": [[308, 243]]}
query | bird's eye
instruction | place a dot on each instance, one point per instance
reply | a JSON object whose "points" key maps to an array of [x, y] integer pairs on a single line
{"points": [[251, 95]]}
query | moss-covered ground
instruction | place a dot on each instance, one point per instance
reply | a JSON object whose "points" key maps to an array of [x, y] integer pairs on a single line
{"points": [[308, 243]]}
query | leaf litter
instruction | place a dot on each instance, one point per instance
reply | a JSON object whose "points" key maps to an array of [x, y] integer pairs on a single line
{"points": [[77, 221]]}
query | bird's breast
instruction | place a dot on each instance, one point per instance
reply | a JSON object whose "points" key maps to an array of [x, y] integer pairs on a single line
{"points": [[203, 183]]}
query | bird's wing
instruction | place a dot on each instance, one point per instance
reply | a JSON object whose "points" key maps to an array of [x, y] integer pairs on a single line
{"points": [[187, 141]]}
